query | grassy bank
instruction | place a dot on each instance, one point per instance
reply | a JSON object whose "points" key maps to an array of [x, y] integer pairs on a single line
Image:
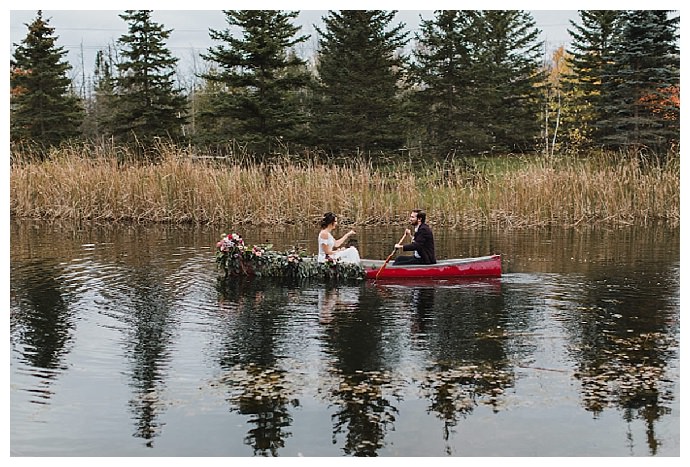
{"points": [[81, 184]]}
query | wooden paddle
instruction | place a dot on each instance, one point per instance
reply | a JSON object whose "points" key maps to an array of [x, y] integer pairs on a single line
{"points": [[390, 256]]}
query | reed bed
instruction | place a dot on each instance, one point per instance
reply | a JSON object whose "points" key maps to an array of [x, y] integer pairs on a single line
{"points": [[90, 184]]}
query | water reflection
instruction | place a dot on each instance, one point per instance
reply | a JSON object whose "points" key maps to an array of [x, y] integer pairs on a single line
{"points": [[364, 361], [132, 292], [41, 321], [359, 383], [458, 324], [150, 333], [354, 338], [263, 394], [454, 391], [462, 326], [623, 343], [364, 410], [258, 388]]}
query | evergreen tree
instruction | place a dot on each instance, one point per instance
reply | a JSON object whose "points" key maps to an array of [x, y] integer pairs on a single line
{"points": [[43, 109], [215, 128], [508, 97], [444, 74], [644, 71], [478, 73], [148, 105], [357, 103], [261, 100], [590, 56]]}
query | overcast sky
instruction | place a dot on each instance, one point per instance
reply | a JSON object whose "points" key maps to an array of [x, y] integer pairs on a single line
{"points": [[83, 32]]}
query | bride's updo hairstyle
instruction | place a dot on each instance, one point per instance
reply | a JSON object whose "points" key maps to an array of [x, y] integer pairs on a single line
{"points": [[327, 220]]}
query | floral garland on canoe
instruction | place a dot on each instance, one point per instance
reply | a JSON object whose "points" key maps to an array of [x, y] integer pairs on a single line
{"points": [[236, 258]]}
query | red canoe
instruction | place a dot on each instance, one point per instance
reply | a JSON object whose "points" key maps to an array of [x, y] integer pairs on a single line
{"points": [[484, 266]]}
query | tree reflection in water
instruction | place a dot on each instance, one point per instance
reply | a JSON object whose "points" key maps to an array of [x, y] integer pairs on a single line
{"points": [[603, 312], [41, 321], [623, 345], [364, 411], [633, 378], [462, 326], [150, 329], [264, 395], [257, 386], [360, 388], [454, 392]]}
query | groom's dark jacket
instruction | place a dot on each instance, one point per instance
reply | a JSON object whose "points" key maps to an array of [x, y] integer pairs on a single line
{"points": [[423, 243]]}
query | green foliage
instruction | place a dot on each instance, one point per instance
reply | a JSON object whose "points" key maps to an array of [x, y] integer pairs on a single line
{"points": [[42, 108], [357, 103], [646, 61], [261, 99], [214, 125], [443, 74], [475, 85], [262, 261], [510, 59], [148, 105], [477, 75], [591, 53], [622, 61]]}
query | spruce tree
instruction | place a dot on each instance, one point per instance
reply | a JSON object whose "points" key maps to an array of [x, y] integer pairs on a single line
{"points": [[644, 69], [148, 104], [43, 110], [477, 73], [508, 95], [215, 129], [590, 58], [261, 101], [443, 72], [357, 103]]}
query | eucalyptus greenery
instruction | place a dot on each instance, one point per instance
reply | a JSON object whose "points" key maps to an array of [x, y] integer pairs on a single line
{"points": [[262, 261]]}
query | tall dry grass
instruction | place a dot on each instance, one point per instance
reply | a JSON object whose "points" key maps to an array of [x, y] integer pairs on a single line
{"points": [[90, 184]]}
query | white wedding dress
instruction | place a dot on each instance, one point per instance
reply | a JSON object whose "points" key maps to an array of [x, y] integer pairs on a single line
{"points": [[348, 255]]}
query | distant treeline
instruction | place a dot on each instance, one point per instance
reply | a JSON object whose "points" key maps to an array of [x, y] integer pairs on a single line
{"points": [[475, 82]]}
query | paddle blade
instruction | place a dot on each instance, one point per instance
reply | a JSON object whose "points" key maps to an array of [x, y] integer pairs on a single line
{"points": [[384, 264]]}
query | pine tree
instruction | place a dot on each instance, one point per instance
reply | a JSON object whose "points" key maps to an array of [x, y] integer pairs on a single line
{"points": [[590, 56], [263, 81], [444, 74], [148, 105], [43, 109], [645, 68], [357, 103], [508, 96], [477, 73]]}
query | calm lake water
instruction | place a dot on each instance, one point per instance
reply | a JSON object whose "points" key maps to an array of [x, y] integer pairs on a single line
{"points": [[123, 342]]}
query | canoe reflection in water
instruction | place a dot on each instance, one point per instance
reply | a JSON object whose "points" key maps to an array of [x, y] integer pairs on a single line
{"points": [[423, 295]]}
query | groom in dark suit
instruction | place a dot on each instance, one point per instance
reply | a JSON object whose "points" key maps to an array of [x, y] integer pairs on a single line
{"points": [[422, 242]]}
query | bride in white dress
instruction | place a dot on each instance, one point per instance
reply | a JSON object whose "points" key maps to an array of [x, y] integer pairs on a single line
{"points": [[329, 246]]}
